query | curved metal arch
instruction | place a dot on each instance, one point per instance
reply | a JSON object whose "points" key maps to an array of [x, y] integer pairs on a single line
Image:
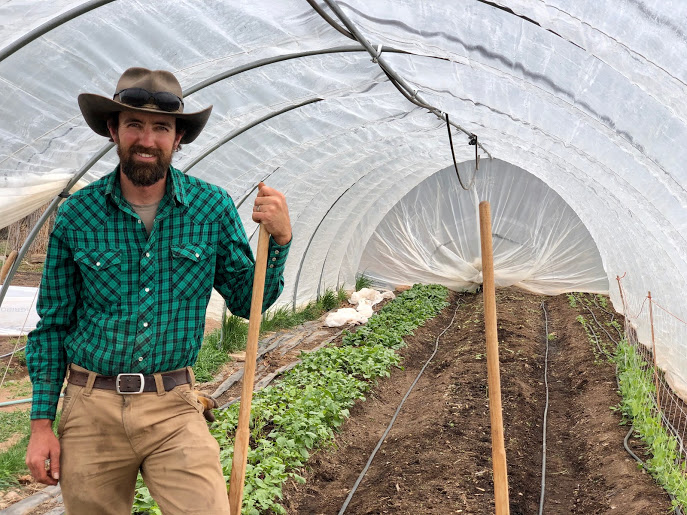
{"points": [[326, 257], [243, 129], [312, 237], [106, 148], [398, 81], [47, 27]]}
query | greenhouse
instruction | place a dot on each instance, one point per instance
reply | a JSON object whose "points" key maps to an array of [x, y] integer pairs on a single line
{"points": [[385, 124]]}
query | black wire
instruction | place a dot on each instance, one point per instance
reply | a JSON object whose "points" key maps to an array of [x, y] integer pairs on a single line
{"points": [[393, 419], [455, 165], [546, 411]]}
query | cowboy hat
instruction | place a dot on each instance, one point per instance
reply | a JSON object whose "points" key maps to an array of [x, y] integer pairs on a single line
{"points": [[147, 91]]}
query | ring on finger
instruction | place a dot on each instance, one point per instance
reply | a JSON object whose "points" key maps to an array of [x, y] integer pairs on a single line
{"points": [[257, 208]]}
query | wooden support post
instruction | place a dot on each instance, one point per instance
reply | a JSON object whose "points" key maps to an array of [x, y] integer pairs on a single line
{"points": [[498, 449], [653, 344], [238, 467]]}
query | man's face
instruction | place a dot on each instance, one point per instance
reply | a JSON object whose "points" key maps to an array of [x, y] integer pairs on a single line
{"points": [[145, 143]]}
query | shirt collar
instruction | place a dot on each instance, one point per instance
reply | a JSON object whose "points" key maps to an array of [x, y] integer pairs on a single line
{"points": [[174, 187]]}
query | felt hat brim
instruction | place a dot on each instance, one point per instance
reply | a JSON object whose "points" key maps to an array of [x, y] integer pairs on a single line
{"points": [[97, 110]]}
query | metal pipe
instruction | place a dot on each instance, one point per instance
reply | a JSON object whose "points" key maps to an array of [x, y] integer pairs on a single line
{"points": [[49, 25], [189, 91], [241, 130], [329, 19], [19, 401], [379, 59], [276, 59]]}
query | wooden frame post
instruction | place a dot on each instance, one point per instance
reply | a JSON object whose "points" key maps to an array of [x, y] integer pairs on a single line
{"points": [[238, 467], [498, 449]]}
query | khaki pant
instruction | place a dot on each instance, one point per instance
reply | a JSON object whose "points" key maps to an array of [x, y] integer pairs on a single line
{"points": [[107, 437]]}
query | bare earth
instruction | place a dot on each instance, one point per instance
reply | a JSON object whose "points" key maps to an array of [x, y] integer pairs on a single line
{"points": [[437, 457]]}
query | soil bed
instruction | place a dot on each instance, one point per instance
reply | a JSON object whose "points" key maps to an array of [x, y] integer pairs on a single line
{"points": [[437, 457]]}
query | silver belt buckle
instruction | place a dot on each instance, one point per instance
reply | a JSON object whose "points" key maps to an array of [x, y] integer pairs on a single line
{"points": [[119, 377]]}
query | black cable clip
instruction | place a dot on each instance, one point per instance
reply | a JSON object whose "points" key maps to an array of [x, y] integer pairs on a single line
{"points": [[473, 141], [64, 195]]}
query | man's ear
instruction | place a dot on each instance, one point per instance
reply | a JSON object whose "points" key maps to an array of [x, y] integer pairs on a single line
{"points": [[177, 138], [114, 135]]}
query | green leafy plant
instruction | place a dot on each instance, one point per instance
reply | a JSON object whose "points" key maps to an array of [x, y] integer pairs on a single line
{"points": [[638, 390], [291, 418]]}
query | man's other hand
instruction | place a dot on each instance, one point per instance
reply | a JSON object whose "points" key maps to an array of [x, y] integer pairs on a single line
{"points": [[208, 404], [271, 210], [43, 452]]}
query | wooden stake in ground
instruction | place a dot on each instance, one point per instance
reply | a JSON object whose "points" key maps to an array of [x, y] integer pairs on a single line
{"points": [[498, 449], [238, 467]]}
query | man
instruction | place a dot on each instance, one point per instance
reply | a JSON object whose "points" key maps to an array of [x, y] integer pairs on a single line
{"points": [[130, 267]]}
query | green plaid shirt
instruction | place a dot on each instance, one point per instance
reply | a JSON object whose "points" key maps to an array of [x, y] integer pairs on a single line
{"points": [[114, 299]]}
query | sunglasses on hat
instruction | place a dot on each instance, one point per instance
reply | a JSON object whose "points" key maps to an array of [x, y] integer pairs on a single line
{"points": [[139, 97]]}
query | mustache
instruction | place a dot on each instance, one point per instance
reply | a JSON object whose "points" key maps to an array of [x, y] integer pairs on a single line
{"points": [[140, 149]]}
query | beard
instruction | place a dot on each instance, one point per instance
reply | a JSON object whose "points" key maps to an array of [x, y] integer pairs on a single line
{"points": [[143, 174]]}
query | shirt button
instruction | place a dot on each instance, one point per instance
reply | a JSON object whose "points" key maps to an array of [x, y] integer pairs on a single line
{"points": [[139, 221], [276, 251], [97, 264], [197, 255], [274, 259], [147, 290], [271, 266], [145, 324], [140, 358], [147, 254]]}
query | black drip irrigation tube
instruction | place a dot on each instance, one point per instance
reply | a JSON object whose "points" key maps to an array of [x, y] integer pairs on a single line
{"points": [[393, 419], [546, 409], [677, 510]]}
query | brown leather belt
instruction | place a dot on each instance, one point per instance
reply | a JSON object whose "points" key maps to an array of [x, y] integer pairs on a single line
{"points": [[131, 383]]}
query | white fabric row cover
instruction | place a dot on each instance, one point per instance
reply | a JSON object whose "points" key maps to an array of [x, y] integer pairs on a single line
{"points": [[586, 97], [539, 242], [18, 311]]}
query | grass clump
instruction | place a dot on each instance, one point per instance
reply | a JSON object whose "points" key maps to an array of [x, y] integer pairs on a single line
{"points": [[12, 460], [362, 281]]}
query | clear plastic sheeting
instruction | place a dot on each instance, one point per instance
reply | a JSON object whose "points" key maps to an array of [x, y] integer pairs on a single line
{"points": [[18, 311], [539, 242], [583, 102]]}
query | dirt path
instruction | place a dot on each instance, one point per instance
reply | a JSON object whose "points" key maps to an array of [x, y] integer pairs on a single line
{"points": [[437, 457]]}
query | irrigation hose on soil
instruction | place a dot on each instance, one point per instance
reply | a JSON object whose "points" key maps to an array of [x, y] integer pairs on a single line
{"points": [[546, 410], [393, 419]]}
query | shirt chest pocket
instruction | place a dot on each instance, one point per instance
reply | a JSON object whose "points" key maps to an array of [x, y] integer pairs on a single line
{"points": [[101, 273], [192, 270]]}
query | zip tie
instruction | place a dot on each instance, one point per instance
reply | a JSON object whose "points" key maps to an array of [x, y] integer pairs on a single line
{"points": [[375, 58]]}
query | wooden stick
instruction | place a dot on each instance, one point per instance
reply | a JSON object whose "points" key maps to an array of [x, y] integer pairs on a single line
{"points": [[653, 343], [238, 467], [498, 449]]}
